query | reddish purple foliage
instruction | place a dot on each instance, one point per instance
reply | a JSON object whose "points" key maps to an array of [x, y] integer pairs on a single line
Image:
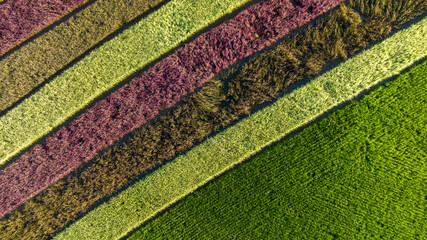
{"points": [[19, 19], [158, 88]]}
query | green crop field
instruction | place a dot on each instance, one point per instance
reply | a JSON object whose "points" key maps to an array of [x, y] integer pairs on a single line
{"points": [[359, 173], [187, 172]]}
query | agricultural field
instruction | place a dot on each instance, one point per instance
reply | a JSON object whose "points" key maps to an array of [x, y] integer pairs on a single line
{"points": [[359, 173], [21, 19], [152, 118], [69, 40], [191, 170], [103, 68], [108, 120]]}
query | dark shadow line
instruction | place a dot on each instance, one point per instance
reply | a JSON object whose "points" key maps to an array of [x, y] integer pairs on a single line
{"points": [[118, 31], [128, 79], [47, 28], [275, 143], [145, 173]]}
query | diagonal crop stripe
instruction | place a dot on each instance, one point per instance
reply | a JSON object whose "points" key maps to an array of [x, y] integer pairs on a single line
{"points": [[203, 114], [159, 87], [359, 173], [64, 44], [20, 19], [105, 67], [187, 172]]}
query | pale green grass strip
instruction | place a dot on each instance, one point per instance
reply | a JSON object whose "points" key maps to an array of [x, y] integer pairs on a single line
{"points": [[106, 66], [183, 175]]}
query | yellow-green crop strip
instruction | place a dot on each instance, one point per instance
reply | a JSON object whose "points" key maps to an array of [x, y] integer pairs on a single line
{"points": [[176, 179], [103, 68]]}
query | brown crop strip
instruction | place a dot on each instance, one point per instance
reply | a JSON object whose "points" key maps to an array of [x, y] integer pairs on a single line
{"points": [[214, 106]]}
